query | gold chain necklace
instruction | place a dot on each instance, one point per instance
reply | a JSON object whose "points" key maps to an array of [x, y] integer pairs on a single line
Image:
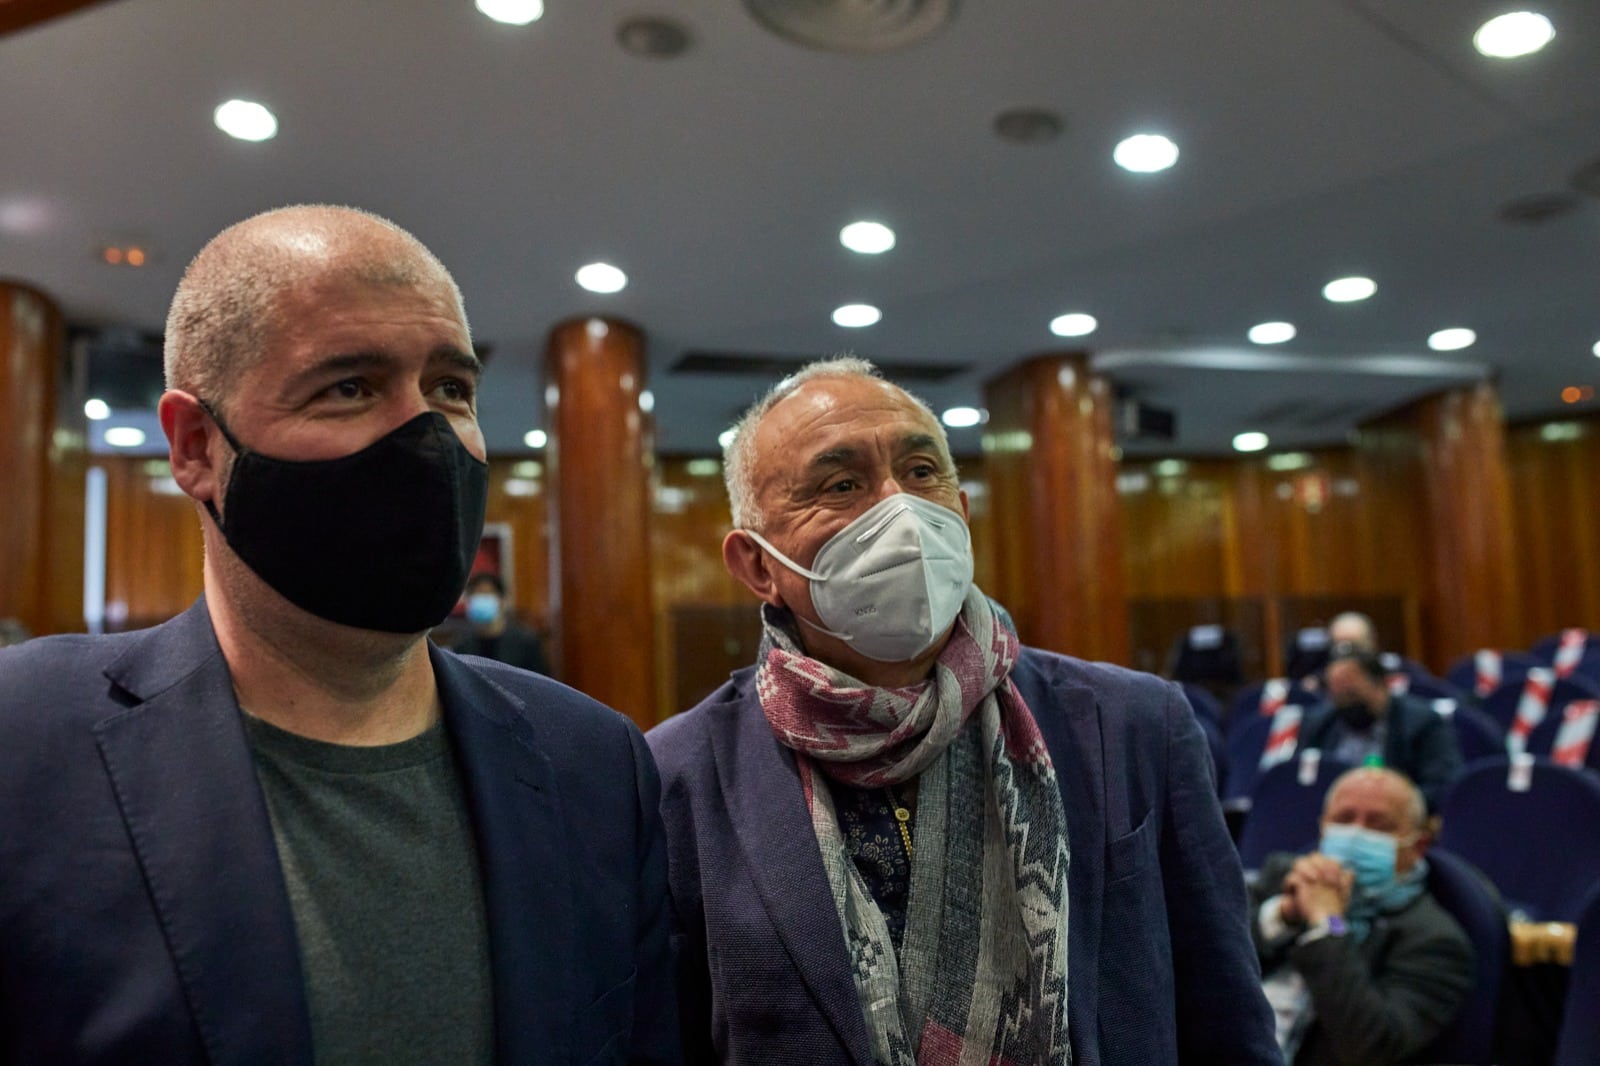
{"points": [[902, 818]]}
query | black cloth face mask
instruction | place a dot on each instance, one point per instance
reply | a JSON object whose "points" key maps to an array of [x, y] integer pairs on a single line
{"points": [[1357, 716], [379, 539]]}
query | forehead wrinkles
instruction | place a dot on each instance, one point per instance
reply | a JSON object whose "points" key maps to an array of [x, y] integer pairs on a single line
{"points": [[830, 413]]}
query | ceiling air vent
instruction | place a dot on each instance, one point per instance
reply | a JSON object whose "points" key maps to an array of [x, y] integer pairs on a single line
{"points": [[1586, 179], [777, 366], [1539, 208], [853, 25]]}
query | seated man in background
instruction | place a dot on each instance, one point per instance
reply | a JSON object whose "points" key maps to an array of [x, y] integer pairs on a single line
{"points": [[1361, 964], [869, 829], [1360, 721], [1354, 629], [494, 633]]}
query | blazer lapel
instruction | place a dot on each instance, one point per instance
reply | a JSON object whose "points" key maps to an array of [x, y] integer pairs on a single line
{"points": [[1069, 719], [184, 778], [761, 786], [523, 852]]}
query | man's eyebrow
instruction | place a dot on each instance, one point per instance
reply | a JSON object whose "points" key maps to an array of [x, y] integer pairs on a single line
{"points": [[833, 457], [459, 359], [916, 442], [344, 362]]}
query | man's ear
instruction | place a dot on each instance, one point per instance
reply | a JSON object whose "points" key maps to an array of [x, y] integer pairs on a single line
{"points": [[966, 508], [189, 432], [749, 564]]}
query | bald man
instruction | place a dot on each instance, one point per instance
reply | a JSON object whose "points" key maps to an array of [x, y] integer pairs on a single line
{"points": [[1361, 964], [283, 827], [901, 837]]}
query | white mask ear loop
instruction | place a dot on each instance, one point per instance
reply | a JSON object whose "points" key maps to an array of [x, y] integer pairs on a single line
{"points": [[782, 558], [803, 572]]}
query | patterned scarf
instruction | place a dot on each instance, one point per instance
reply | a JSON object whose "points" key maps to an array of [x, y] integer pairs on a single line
{"points": [[1366, 905], [981, 974]]}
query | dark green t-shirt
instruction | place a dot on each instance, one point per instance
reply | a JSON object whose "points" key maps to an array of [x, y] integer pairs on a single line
{"points": [[377, 852]]}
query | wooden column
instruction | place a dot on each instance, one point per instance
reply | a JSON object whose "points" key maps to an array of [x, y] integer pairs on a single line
{"points": [[41, 466], [1449, 451], [600, 457], [1055, 518]]}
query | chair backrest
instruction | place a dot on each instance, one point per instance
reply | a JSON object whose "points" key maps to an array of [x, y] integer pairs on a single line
{"points": [[1286, 807], [1428, 687], [1477, 735], [1246, 706], [1530, 825], [1502, 703], [1468, 897], [1585, 645], [1579, 1041], [1246, 742], [1207, 653], [1203, 702], [1513, 666]]}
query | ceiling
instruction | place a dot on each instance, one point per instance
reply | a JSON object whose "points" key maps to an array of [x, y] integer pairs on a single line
{"points": [[1318, 139]]}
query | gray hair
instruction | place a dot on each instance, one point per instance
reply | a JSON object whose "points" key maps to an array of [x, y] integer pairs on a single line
{"points": [[1369, 642], [1416, 806], [221, 317], [739, 454]]}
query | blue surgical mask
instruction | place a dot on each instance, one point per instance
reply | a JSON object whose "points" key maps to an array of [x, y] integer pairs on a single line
{"points": [[1369, 854], [483, 608]]}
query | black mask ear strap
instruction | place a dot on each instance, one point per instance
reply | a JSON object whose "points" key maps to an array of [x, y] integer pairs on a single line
{"points": [[233, 442]]}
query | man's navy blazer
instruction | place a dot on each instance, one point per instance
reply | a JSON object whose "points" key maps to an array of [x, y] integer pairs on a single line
{"points": [[1161, 967], [143, 913]]}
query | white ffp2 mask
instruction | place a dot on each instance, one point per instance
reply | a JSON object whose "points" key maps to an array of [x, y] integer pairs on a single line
{"points": [[891, 582]]}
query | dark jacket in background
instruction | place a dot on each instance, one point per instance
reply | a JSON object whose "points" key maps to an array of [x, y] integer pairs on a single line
{"points": [[1382, 1000], [1421, 743], [516, 646]]}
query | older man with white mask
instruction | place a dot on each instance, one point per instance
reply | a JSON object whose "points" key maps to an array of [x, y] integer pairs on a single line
{"points": [[903, 838]]}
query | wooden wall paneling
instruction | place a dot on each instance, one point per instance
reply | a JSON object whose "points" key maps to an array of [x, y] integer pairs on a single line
{"points": [[32, 346], [1555, 487], [154, 548], [518, 497]]}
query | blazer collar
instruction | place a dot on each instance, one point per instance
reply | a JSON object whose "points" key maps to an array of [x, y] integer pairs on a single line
{"points": [[184, 778], [761, 785], [523, 845]]}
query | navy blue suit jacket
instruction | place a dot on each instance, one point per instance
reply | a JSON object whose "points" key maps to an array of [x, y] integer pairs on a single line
{"points": [[1161, 967], [143, 913]]}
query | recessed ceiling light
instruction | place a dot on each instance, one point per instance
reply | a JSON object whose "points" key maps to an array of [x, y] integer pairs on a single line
{"points": [[1272, 332], [536, 438], [1516, 33], [868, 238], [1076, 324], [601, 277], [962, 417], [96, 410], [1249, 442], [1596, 349], [855, 316], [725, 438], [1146, 153], [647, 401], [1450, 340], [124, 436], [1349, 290], [246, 120], [512, 12]]}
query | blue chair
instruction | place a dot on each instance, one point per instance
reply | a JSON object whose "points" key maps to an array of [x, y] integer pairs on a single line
{"points": [[1428, 687], [1245, 745], [1463, 673], [1469, 897], [1501, 704], [1477, 735], [1578, 1043], [1246, 705], [1285, 810], [1538, 846], [1203, 702], [1588, 666]]}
